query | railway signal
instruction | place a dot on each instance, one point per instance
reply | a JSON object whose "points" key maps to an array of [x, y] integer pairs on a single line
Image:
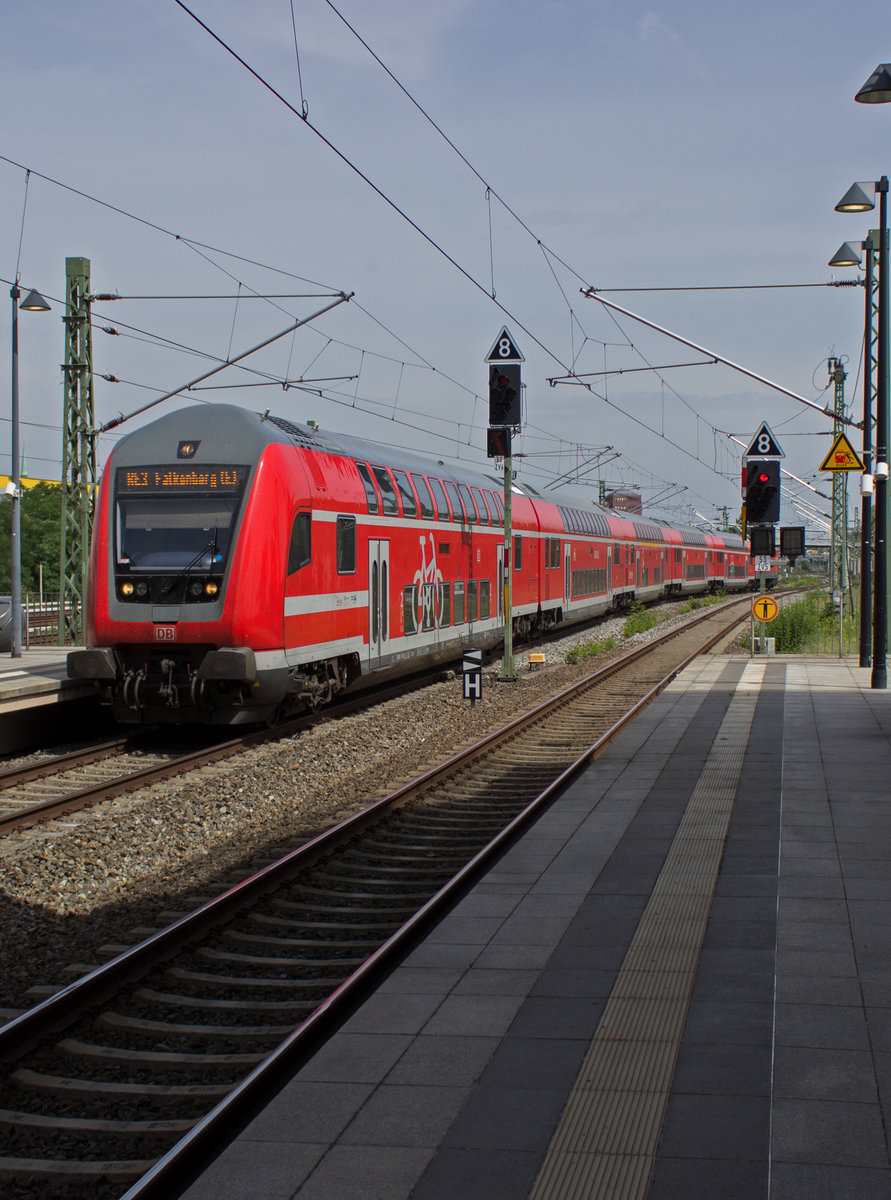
{"points": [[762, 491], [498, 443], [504, 394], [505, 391]]}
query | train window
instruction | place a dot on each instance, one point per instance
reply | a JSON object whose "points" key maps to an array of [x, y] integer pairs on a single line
{"points": [[370, 489], [616, 553], [174, 532], [469, 506], [472, 600], [518, 552], [300, 549], [499, 504], [457, 507], [459, 603], [445, 604], [481, 507], [406, 491], [439, 496], [346, 545], [485, 598], [428, 610], [388, 492], [424, 497], [410, 607]]}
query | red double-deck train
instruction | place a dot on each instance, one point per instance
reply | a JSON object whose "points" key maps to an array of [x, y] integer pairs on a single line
{"points": [[244, 567]]}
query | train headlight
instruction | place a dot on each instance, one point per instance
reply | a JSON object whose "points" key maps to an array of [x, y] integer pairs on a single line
{"points": [[127, 589], [142, 590], [211, 588], [195, 588]]}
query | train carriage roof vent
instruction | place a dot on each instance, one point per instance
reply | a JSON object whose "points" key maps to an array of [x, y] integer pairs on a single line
{"points": [[302, 435], [648, 530]]}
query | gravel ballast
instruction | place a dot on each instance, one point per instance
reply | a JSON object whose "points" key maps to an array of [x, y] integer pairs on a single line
{"points": [[71, 888]]}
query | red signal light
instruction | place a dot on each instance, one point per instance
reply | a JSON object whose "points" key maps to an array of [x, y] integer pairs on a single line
{"points": [[763, 477]]}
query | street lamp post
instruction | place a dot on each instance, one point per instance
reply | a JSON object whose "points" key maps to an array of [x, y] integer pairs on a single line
{"points": [[877, 90], [856, 199], [849, 256], [33, 302]]}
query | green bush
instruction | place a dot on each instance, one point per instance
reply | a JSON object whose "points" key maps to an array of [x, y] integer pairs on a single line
{"points": [[589, 650], [639, 620]]}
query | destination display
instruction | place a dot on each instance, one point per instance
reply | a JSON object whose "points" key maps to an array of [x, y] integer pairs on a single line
{"points": [[181, 480]]}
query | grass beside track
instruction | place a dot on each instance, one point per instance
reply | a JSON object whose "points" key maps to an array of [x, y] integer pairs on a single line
{"points": [[640, 618]]}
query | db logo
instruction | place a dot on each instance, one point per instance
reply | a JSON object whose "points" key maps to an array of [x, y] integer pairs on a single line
{"points": [[165, 633]]}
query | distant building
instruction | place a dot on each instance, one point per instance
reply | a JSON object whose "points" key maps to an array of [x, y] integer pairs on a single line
{"points": [[629, 502]]}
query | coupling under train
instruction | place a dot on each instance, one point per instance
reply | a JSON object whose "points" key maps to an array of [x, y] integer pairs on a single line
{"points": [[244, 567]]}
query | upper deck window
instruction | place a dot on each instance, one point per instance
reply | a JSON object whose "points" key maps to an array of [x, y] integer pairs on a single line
{"points": [[388, 492], [442, 505], [370, 489], [406, 491], [469, 506], [424, 497], [457, 507], [481, 507]]}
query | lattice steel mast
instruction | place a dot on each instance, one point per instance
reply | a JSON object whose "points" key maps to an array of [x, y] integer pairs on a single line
{"points": [[838, 556], [78, 451]]}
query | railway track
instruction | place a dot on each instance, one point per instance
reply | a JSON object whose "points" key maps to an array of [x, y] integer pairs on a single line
{"points": [[131, 1079], [66, 783]]}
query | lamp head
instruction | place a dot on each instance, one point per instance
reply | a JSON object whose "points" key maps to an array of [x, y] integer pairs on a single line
{"points": [[855, 199], [34, 302], [845, 256], [877, 89]]}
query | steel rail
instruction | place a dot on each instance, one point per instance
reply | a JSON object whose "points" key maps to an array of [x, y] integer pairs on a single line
{"points": [[182, 1164], [60, 1009]]}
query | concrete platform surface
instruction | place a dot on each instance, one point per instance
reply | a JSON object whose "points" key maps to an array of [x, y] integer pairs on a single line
{"points": [[676, 986]]}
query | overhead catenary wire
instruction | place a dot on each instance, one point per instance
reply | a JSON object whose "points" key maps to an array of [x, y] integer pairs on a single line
{"points": [[193, 243]]}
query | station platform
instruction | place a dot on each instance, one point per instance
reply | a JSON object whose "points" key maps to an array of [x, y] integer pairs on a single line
{"points": [[677, 984], [35, 696]]}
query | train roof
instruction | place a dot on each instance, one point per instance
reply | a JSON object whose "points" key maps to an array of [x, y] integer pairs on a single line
{"points": [[238, 431]]}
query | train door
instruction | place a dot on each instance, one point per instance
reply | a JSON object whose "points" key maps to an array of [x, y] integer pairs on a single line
{"points": [[378, 600], [567, 574]]}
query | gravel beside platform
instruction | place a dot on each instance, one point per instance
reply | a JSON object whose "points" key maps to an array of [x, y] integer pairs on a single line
{"points": [[99, 877]]}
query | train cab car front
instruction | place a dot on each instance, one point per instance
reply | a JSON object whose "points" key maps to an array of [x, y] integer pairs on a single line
{"points": [[183, 620]]}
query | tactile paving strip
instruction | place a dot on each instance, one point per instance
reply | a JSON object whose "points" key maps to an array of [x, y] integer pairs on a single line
{"points": [[605, 1143]]}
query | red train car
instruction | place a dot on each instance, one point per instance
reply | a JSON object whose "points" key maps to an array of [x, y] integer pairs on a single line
{"points": [[243, 566]]}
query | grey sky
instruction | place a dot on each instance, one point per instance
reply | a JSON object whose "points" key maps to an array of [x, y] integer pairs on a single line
{"points": [[643, 145]]}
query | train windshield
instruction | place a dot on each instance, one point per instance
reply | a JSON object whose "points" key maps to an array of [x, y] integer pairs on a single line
{"points": [[174, 533]]}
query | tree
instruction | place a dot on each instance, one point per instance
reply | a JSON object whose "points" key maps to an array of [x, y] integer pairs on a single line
{"points": [[41, 538]]}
